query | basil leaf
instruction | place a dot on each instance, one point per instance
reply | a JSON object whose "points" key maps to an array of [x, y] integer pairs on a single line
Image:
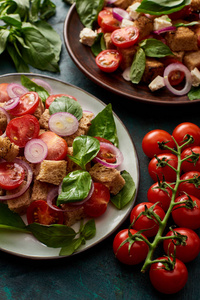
{"points": [[20, 64], [103, 125], [88, 230], [75, 187], [13, 20], [71, 247], [155, 48], [85, 148], [88, 11], [47, 9], [138, 66], [186, 24], [98, 45], [55, 235], [160, 7], [10, 219], [66, 104], [126, 194], [32, 86], [4, 34], [194, 93]]}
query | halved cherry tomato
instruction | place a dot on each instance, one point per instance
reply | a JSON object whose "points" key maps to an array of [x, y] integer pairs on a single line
{"points": [[22, 129], [11, 175], [3, 92], [125, 37], [51, 98], [104, 153], [107, 22], [40, 212], [27, 104], [57, 146], [97, 204], [176, 76], [108, 60]]}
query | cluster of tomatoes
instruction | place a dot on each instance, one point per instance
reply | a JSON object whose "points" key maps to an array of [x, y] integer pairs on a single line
{"points": [[175, 169]]}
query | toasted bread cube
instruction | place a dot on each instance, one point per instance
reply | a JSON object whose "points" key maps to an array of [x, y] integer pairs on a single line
{"points": [[183, 39], [39, 110], [19, 204], [195, 5], [8, 150], [145, 26], [123, 3], [153, 68], [44, 119], [52, 171], [71, 216], [192, 60], [127, 56], [110, 177], [40, 190], [3, 121]]}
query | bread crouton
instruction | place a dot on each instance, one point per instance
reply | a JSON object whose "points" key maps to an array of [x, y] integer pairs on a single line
{"points": [[123, 3], [108, 42], [192, 60], [153, 68], [72, 214], [145, 26], [44, 119], [39, 110], [3, 121], [40, 190], [195, 5], [127, 56], [19, 204], [52, 171], [8, 150], [183, 39], [110, 177]]}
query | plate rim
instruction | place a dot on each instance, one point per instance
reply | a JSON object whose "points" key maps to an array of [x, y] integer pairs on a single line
{"points": [[72, 10], [137, 169]]}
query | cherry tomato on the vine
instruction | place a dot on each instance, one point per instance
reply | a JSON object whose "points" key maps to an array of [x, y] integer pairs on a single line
{"points": [[150, 225], [108, 60], [168, 281], [187, 216], [150, 142], [191, 188], [187, 249], [182, 130], [189, 165], [137, 252], [157, 167]]}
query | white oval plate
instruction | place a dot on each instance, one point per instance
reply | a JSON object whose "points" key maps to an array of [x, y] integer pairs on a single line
{"points": [[26, 245]]}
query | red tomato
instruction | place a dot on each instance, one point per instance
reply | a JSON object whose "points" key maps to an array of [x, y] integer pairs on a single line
{"points": [[181, 14], [175, 77], [11, 175], [97, 204], [57, 146], [158, 169], [51, 98], [188, 165], [161, 193], [143, 222], [137, 252], [187, 217], [39, 212], [168, 281], [189, 187], [100, 139], [150, 142], [125, 37], [107, 22], [108, 60], [22, 129], [181, 131], [3, 92], [106, 154], [185, 251], [27, 104]]}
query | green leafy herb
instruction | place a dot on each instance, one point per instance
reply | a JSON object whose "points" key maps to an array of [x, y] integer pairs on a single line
{"points": [[126, 194], [11, 220], [32, 86], [194, 93], [66, 104], [155, 48], [186, 24], [138, 66], [99, 44], [88, 11]]}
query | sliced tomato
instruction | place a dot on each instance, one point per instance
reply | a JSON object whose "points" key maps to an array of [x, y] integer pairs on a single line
{"points": [[22, 129], [11, 175], [3, 92], [125, 37], [51, 98], [57, 146], [27, 104], [106, 155], [107, 22], [108, 60], [40, 212], [97, 204]]}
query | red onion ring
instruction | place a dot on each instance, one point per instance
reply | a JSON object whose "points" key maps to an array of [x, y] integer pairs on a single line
{"points": [[35, 151], [43, 84], [7, 117], [126, 74], [16, 90], [11, 103], [166, 29], [182, 68], [110, 1], [63, 123], [120, 14], [29, 175], [50, 198], [116, 151]]}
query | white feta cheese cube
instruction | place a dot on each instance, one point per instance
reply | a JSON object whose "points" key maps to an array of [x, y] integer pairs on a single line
{"points": [[157, 83], [195, 73], [126, 23], [161, 22], [132, 10], [87, 36]]}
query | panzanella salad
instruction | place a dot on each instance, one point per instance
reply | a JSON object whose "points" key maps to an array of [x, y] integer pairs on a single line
{"points": [[58, 164], [153, 42]]}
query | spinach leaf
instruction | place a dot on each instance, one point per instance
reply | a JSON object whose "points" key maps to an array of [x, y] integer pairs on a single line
{"points": [[160, 7], [75, 187], [155, 48], [32, 86], [85, 148], [11, 220], [103, 125], [138, 66], [88, 11], [194, 93], [126, 194], [99, 44], [66, 104]]}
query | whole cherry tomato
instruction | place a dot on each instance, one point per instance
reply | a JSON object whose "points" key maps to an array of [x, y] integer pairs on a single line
{"points": [[189, 164], [182, 130], [191, 188]]}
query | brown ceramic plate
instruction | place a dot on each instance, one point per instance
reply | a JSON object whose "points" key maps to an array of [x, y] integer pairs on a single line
{"points": [[85, 61]]}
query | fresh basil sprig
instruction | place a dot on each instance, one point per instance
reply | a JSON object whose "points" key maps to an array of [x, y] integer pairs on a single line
{"points": [[88, 11]]}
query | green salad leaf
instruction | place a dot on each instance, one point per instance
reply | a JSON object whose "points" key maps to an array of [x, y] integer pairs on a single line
{"points": [[161, 7], [88, 11], [155, 48], [32, 86]]}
